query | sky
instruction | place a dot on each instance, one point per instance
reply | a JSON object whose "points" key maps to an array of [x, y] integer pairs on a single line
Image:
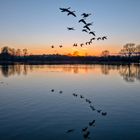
{"points": [[38, 24]]}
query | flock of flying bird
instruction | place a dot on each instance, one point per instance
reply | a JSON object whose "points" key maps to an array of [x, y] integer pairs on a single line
{"points": [[86, 27], [85, 130]]}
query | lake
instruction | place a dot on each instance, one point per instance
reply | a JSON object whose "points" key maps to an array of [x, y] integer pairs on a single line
{"points": [[69, 102]]}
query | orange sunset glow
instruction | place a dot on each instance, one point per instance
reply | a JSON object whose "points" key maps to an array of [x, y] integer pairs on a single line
{"points": [[93, 50]]}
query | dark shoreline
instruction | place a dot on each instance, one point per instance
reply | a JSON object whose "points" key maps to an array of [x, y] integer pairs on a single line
{"points": [[67, 63], [6, 59]]}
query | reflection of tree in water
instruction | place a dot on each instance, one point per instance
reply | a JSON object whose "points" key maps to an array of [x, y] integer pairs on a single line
{"points": [[130, 72], [69, 69], [105, 69], [4, 70], [8, 70], [77, 68]]}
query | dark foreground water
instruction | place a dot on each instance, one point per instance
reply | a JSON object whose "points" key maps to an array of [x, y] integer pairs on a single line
{"points": [[37, 102]]}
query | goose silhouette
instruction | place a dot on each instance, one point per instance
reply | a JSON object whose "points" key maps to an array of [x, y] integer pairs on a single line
{"points": [[92, 38], [52, 46], [81, 44], [89, 42], [86, 27], [71, 13], [60, 91], [52, 90], [83, 21], [75, 45], [92, 107], [81, 96], [74, 94], [91, 123], [93, 33], [85, 15], [87, 100], [99, 38], [85, 129], [65, 9], [70, 28], [60, 46], [104, 113], [104, 37], [70, 130], [89, 24], [84, 30], [99, 111]]}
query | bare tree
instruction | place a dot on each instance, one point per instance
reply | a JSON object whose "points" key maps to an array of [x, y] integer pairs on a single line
{"points": [[5, 50], [18, 52], [105, 53], [75, 53], [25, 52], [129, 49]]}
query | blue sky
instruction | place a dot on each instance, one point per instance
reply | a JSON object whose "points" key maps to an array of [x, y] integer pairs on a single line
{"points": [[40, 23]]}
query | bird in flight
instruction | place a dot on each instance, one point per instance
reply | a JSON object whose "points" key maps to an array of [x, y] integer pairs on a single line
{"points": [[52, 46], [71, 13], [81, 44], [99, 38], [65, 9], [75, 45], [83, 21], [92, 39], [70, 28], [85, 15], [89, 24], [68, 11], [84, 30], [86, 27], [60, 46], [88, 43], [104, 37], [93, 33]]}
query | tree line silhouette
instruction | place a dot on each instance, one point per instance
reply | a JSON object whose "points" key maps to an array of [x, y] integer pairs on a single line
{"points": [[128, 54]]}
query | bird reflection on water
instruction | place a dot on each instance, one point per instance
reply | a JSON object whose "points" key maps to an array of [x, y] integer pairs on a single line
{"points": [[85, 130]]}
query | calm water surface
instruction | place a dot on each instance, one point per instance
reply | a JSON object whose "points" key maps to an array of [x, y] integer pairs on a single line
{"points": [[30, 110]]}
